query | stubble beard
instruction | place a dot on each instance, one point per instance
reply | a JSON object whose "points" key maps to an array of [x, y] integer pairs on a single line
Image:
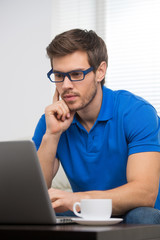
{"points": [[84, 102]]}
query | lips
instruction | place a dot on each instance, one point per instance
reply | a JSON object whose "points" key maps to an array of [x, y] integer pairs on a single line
{"points": [[69, 97]]}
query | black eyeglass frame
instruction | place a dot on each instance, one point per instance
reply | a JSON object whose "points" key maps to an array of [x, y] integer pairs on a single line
{"points": [[85, 72]]}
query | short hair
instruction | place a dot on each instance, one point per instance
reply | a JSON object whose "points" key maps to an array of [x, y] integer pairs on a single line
{"points": [[77, 39]]}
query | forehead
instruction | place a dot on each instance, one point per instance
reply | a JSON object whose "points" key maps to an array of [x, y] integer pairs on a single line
{"points": [[73, 61]]}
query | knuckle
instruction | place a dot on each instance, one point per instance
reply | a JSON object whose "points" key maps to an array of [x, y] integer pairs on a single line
{"points": [[46, 109], [57, 203]]}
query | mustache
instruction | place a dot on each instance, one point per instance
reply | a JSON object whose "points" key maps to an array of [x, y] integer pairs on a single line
{"points": [[69, 93]]}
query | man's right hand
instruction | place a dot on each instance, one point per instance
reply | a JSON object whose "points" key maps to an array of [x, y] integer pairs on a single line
{"points": [[58, 116]]}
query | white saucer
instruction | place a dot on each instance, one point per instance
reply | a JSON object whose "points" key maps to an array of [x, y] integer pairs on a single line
{"points": [[109, 221]]}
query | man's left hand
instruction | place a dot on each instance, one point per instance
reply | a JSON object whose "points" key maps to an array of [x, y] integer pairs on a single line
{"points": [[62, 200]]}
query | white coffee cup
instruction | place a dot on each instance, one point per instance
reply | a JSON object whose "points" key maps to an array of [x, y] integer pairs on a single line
{"points": [[95, 209]]}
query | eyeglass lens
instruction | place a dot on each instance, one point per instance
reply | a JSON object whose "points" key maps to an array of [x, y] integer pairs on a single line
{"points": [[74, 76]]}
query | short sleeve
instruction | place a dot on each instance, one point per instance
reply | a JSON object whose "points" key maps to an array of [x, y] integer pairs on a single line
{"points": [[39, 131], [142, 127]]}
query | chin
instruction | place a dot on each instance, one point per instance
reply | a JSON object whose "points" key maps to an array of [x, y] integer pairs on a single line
{"points": [[74, 107]]}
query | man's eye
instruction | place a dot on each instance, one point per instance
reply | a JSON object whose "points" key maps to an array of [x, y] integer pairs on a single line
{"points": [[76, 74], [58, 75]]}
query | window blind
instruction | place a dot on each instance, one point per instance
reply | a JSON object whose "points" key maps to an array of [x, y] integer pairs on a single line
{"points": [[84, 14], [68, 14], [133, 42]]}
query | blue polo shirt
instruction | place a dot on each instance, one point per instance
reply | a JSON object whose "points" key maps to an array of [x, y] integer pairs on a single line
{"points": [[97, 160]]}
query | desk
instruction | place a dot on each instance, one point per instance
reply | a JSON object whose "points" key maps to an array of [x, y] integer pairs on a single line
{"points": [[76, 232]]}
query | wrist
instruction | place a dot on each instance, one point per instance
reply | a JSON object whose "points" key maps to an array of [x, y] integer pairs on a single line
{"points": [[82, 195], [51, 138]]}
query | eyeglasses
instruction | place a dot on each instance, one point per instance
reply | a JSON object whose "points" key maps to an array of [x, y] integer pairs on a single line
{"points": [[76, 75]]}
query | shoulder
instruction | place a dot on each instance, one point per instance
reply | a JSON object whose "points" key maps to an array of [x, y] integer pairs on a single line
{"points": [[125, 101], [123, 105], [134, 111], [41, 123], [123, 96], [129, 97]]}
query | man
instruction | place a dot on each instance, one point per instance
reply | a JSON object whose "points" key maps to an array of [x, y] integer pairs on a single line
{"points": [[108, 142]]}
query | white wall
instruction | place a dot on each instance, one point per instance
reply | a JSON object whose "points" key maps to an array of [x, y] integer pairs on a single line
{"points": [[25, 31]]}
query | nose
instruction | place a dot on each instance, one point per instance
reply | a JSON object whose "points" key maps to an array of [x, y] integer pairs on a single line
{"points": [[67, 83]]}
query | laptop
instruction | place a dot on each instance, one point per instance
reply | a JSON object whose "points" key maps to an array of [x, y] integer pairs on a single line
{"points": [[24, 195]]}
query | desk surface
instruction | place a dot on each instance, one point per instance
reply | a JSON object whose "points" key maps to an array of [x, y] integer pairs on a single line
{"points": [[75, 231]]}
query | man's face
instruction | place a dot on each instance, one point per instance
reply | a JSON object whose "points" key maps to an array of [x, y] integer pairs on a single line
{"points": [[77, 95]]}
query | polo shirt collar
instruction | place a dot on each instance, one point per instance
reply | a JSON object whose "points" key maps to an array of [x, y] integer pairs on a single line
{"points": [[106, 111]]}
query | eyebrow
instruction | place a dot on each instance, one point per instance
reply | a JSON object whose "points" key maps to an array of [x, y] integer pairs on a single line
{"points": [[78, 69]]}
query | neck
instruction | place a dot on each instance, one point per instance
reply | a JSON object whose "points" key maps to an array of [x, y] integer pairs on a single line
{"points": [[89, 114]]}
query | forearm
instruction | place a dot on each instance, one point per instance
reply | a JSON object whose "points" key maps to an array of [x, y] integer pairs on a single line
{"points": [[126, 197], [46, 155], [143, 171]]}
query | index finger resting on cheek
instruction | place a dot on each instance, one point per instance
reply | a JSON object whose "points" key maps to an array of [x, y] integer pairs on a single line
{"points": [[56, 96]]}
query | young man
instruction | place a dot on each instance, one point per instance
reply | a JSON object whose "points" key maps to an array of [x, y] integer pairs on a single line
{"points": [[108, 142]]}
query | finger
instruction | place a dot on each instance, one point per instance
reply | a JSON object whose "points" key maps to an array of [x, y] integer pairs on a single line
{"points": [[66, 109], [59, 112], [55, 193], [57, 203], [62, 111], [52, 194], [56, 96]]}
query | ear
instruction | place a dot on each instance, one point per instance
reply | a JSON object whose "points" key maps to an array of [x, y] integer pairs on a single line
{"points": [[101, 71]]}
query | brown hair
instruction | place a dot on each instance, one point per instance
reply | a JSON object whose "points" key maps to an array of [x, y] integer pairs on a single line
{"points": [[77, 39]]}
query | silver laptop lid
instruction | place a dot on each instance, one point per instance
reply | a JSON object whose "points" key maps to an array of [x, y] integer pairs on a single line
{"points": [[24, 196]]}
